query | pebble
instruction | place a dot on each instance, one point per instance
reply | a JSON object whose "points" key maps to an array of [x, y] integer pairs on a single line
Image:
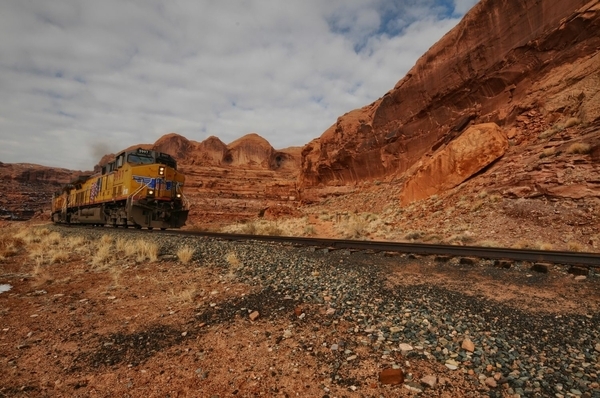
{"points": [[429, 380], [405, 347]]}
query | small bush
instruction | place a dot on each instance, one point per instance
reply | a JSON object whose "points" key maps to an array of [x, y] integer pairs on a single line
{"points": [[146, 250], [477, 205], [413, 235], [233, 259], [309, 230], [550, 132], [573, 121], [575, 246], [547, 152], [579, 147], [185, 254]]}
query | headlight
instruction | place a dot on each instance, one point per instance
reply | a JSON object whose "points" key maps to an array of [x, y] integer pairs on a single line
{"points": [[161, 170], [178, 195], [150, 192]]}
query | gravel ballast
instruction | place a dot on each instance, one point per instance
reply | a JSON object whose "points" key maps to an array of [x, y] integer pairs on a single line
{"points": [[514, 351]]}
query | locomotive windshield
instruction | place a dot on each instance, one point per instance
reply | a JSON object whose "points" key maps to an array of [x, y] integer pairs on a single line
{"points": [[136, 158]]}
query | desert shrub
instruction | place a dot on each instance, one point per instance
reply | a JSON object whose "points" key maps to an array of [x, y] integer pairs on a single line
{"points": [[494, 198], [547, 152], [488, 243], [52, 239], [325, 217], [309, 230], [249, 229], [271, 229], [463, 238], [573, 121], [146, 250], [522, 244], [551, 131], [575, 246], [59, 256], [356, 228], [185, 254], [232, 259], [413, 235], [477, 205], [579, 147]]}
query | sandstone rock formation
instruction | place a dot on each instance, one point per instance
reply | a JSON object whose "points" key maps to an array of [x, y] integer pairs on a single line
{"points": [[31, 186], [503, 60], [473, 150]]}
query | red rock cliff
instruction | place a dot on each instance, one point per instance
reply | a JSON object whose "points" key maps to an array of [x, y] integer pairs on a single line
{"points": [[489, 68]]}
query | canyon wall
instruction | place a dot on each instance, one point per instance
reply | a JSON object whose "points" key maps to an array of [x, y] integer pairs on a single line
{"points": [[489, 68]]}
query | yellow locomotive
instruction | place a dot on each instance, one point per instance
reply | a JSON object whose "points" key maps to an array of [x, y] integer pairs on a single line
{"points": [[140, 188]]}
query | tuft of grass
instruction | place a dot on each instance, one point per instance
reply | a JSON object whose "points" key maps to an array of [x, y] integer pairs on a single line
{"points": [[545, 246], [547, 152], [59, 256], [579, 147], [573, 121], [309, 230], [146, 250], [522, 244], [102, 255], [488, 243], [575, 246], [477, 205], [185, 296], [551, 131], [413, 235], [185, 254], [233, 260]]}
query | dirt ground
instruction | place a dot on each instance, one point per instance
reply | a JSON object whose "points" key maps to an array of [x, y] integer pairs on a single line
{"points": [[170, 329]]}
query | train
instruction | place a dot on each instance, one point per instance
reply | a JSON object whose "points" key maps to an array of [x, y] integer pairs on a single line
{"points": [[141, 188]]}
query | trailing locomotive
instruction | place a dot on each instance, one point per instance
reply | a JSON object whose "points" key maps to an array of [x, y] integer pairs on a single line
{"points": [[140, 188]]}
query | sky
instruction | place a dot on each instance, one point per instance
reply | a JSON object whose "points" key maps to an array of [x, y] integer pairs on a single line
{"points": [[82, 78]]}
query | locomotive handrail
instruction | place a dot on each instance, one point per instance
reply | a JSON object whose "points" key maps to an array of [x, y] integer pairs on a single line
{"points": [[130, 197], [185, 200]]}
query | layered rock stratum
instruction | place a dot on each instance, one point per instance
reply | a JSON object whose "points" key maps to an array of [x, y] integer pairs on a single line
{"points": [[526, 66]]}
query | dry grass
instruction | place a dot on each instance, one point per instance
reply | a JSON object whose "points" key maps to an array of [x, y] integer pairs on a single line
{"points": [[233, 260], [309, 230], [579, 147], [573, 121], [185, 254], [523, 244], [547, 152], [146, 250], [102, 255], [575, 246], [58, 256], [184, 296], [545, 246]]}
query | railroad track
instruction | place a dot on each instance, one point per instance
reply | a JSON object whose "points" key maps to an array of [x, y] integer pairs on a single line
{"points": [[535, 256]]}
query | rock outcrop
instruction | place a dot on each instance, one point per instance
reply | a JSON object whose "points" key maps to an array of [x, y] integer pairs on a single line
{"points": [[502, 60], [468, 154]]}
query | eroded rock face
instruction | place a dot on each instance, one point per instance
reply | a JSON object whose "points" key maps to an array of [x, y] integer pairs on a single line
{"points": [[498, 62], [472, 151]]}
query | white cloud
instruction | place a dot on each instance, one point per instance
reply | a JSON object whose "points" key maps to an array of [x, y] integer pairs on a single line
{"points": [[82, 76]]}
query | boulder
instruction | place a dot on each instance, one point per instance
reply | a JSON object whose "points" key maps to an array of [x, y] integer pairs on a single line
{"points": [[473, 150]]}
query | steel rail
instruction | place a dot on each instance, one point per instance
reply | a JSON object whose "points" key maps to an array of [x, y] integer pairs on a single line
{"points": [[557, 257]]}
